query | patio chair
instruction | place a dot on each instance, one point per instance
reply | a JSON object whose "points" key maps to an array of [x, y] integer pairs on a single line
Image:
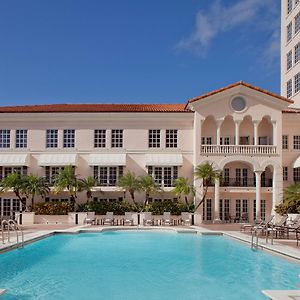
{"points": [[294, 221], [109, 219], [257, 226], [128, 219], [185, 219], [244, 217], [167, 220], [278, 227], [295, 228], [148, 219], [90, 218]]}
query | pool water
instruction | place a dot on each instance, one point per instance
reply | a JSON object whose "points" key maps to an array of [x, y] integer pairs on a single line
{"points": [[142, 265]]}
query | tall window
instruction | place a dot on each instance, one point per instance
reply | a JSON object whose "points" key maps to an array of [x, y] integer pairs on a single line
{"points": [[69, 138], [297, 53], [154, 138], [285, 142], [171, 138], [289, 32], [289, 59], [117, 138], [4, 171], [297, 23], [50, 173], [206, 140], [108, 176], [263, 209], [289, 6], [296, 174], [4, 138], [51, 138], [225, 140], [21, 138], [289, 88], [285, 173], [163, 176], [297, 82], [99, 138], [296, 142]]}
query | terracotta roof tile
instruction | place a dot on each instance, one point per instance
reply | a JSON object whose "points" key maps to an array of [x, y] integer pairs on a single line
{"points": [[237, 84], [63, 108]]}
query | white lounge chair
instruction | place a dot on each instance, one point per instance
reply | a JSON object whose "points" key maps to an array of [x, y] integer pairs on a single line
{"points": [[148, 218], [167, 220], [185, 219], [90, 218], [109, 219], [128, 220]]}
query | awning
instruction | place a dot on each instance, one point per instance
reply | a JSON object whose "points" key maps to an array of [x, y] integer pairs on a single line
{"points": [[57, 159], [14, 160], [107, 159], [164, 160], [297, 163]]}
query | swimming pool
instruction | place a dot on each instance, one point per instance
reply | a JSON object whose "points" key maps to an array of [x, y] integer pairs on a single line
{"points": [[142, 265]]}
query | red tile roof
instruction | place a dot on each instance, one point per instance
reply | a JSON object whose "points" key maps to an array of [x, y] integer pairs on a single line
{"points": [[63, 108], [291, 111], [237, 84]]}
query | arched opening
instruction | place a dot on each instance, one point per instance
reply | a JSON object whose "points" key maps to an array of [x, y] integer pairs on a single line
{"points": [[246, 131], [227, 131], [208, 131], [265, 131]]}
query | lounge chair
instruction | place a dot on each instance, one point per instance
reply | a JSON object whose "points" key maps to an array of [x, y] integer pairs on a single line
{"points": [[295, 228], [128, 219], [148, 219], [109, 219], [167, 220], [90, 218], [294, 221], [278, 227], [185, 219], [257, 226]]}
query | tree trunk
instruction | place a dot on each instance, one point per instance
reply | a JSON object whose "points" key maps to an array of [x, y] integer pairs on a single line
{"points": [[203, 197], [133, 199]]}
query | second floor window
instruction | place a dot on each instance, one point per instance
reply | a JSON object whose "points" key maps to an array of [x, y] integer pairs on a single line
{"points": [[4, 138], [296, 175], [108, 176], [51, 138], [297, 82], [289, 6], [117, 138], [171, 138], [285, 142], [206, 140], [69, 138], [289, 32], [154, 138], [285, 173], [163, 176], [4, 171], [297, 53], [21, 138], [297, 23], [296, 142], [289, 59], [50, 173], [289, 88], [99, 138]]}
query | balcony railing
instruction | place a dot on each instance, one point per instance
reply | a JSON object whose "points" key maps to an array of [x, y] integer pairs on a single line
{"points": [[244, 182], [239, 149]]}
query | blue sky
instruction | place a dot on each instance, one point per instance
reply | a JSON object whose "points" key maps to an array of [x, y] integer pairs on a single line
{"points": [[137, 51]]}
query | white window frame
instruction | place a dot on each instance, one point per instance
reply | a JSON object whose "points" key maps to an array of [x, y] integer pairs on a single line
{"points": [[289, 32], [21, 138], [296, 142], [99, 138], [154, 138], [289, 88], [4, 138], [285, 173], [51, 138], [289, 59], [289, 6], [285, 142], [164, 176], [108, 175], [171, 138], [117, 138], [69, 138], [297, 23], [297, 83]]}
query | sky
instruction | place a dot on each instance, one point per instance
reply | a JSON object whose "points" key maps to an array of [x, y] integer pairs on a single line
{"points": [[134, 51]]}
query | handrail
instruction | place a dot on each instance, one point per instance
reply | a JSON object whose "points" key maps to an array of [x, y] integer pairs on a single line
{"points": [[12, 225]]}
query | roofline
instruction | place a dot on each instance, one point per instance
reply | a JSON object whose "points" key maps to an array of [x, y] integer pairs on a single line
{"points": [[239, 83]]}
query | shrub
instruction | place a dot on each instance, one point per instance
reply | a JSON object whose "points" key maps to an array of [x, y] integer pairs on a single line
{"points": [[176, 208], [52, 208]]}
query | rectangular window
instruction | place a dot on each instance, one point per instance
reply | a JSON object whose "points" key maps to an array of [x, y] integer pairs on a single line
{"points": [[117, 138], [51, 138], [285, 173], [289, 89], [225, 140], [108, 176], [4, 138], [21, 138], [296, 175], [4, 171], [296, 142], [297, 23], [207, 210], [238, 208], [171, 138], [263, 209], [297, 53], [297, 82], [254, 209], [163, 176], [226, 176], [289, 32], [206, 140], [69, 138], [50, 173], [289, 59], [285, 142], [99, 138], [154, 138], [289, 6]]}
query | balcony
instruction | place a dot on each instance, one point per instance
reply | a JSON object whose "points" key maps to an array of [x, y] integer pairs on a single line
{"points": [[238, 149], [244, 182]]}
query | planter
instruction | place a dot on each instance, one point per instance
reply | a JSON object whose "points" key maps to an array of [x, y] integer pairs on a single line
{"points": [[198, 219], [25, 218], [51, 219], [77, 218]]}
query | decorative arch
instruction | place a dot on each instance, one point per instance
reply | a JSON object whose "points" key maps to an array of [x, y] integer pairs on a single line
{"points": [[235, 158]]}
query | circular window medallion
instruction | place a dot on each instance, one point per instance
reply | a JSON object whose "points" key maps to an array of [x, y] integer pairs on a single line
{"points": [[238, 104]]}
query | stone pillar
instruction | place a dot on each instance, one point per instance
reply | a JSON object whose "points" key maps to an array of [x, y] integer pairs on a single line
{"points": [[237, 132], [255, 124], [217, 201], [277, 190], [219, 124], [258, 193], [274, 124]]}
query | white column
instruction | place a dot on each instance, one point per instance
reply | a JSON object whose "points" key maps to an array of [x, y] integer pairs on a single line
{"points": [[255, 124], [217, 201], [258, 193], [237, 132], [277, 190], [219, 123], [274, 124]]}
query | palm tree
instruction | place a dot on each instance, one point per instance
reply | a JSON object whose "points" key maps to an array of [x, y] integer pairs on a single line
{"points": [[183, 187], [87, 184], [291, 200], [14, 181], [148, 185], [208, 174], [130, 183], [67, 180], [35, 186]]}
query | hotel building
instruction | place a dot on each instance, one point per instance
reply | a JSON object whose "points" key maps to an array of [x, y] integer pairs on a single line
{"points": [[250, 135]]}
